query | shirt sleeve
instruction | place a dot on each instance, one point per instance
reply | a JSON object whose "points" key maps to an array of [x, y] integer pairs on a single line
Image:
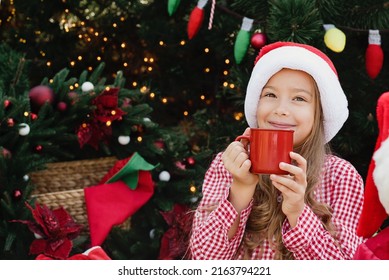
{"points": [[214, 216], [343, 190]]}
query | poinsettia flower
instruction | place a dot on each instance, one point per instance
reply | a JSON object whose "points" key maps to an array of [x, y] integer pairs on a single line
{"points": [[107, 106], [54, 228], [175, 240], [99, 127]]}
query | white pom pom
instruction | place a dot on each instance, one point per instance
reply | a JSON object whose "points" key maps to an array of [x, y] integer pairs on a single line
{"points": [[380, 173], [194, 199], [152, 233], [164, 176], [124, 140], [87, 86], [24, 129]]}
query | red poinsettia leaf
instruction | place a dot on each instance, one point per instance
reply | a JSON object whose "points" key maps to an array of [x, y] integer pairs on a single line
{"points": [[52, 224], [164, 249], [79, 257], [37, 215], [84, 134], [108, 101], [38, 246], [61, 252], [54, 244], [62, 216]]}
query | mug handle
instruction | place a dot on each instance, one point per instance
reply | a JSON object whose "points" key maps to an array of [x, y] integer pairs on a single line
{"points": [[242, 137]]}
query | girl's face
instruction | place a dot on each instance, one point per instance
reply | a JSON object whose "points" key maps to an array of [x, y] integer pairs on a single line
{"points": [[287, 101]]}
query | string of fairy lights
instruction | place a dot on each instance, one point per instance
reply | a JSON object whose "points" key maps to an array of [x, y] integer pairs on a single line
{"points": [[87, 35]]}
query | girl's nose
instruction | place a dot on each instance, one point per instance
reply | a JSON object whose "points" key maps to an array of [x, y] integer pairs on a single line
{"points": [[281, 109]]}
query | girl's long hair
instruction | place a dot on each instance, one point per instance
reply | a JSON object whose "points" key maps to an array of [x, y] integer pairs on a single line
{"points": [[266, 217]]}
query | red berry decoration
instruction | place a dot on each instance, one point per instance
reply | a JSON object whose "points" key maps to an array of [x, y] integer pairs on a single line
{"points": [[258, 40], [190, 161], [17, 194], [38, 148], [7, 103], [33, 116], [6, 153], [10, 122], [39, 95]]}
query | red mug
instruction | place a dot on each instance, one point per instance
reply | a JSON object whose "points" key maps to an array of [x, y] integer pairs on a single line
{"points": [[269, 147]]}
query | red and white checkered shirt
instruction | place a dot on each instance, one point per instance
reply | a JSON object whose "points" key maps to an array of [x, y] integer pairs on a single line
{"points": [[341, 188]]}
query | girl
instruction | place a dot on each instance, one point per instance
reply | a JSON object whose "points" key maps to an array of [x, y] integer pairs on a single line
{"points": [[312, 213]]}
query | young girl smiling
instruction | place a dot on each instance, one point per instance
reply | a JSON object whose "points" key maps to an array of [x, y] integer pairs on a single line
{"points": [[312, 213]]}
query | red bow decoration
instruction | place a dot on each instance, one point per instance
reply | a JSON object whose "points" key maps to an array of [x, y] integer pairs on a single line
{"points": [[125, 188], [54, 230], [100, 126], [94, 253]]}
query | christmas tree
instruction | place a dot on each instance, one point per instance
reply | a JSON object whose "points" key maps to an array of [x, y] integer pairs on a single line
{"points": [[183, 66]]}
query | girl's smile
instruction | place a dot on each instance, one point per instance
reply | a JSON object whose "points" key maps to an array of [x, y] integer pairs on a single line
{"points": [[283, 105]]}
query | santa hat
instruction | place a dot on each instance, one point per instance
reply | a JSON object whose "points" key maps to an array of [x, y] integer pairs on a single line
{"points": [[274, 57], [376, 204]]}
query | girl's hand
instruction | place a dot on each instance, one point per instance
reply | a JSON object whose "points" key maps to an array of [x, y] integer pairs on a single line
{"points": [[292, 187], [237, 162]]}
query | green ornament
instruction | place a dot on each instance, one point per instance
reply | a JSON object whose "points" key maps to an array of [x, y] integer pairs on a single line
{"points": [[242, 41], [172, 6]]}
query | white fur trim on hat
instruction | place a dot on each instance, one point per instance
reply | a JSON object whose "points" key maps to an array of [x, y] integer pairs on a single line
{"points": [[380, 173], [333, 100]]}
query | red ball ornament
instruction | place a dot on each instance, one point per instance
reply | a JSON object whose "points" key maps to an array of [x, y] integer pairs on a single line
{"points": [[38, 148], [258, 40], [39, 95], [17, 194], [33, 116], [190, 161], [160, 144], [7, 103], [62, 106], [6, 153], [10, 122]]}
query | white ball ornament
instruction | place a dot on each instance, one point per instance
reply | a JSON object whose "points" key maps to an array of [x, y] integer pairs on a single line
{"points": [[26, 178], [164, 176], [194, 199], [24, 129], [87, 86], [152, 233], [124, 140]]}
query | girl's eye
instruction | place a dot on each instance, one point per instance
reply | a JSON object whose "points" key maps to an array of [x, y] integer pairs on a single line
{"points": [[298, 98], [268, 94]]}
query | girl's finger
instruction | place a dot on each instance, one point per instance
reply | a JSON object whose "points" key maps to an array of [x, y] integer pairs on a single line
{"points": [[284, 181], [301, 162]]}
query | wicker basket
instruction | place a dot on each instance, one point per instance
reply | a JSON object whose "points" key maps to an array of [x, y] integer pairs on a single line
{"points": [[63, 183]]}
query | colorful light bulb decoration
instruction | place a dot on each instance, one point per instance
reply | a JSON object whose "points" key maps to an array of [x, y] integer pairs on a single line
{"points": [[172, 6], [374, 55], [242, 41], [334, 38], [196, 19]]}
